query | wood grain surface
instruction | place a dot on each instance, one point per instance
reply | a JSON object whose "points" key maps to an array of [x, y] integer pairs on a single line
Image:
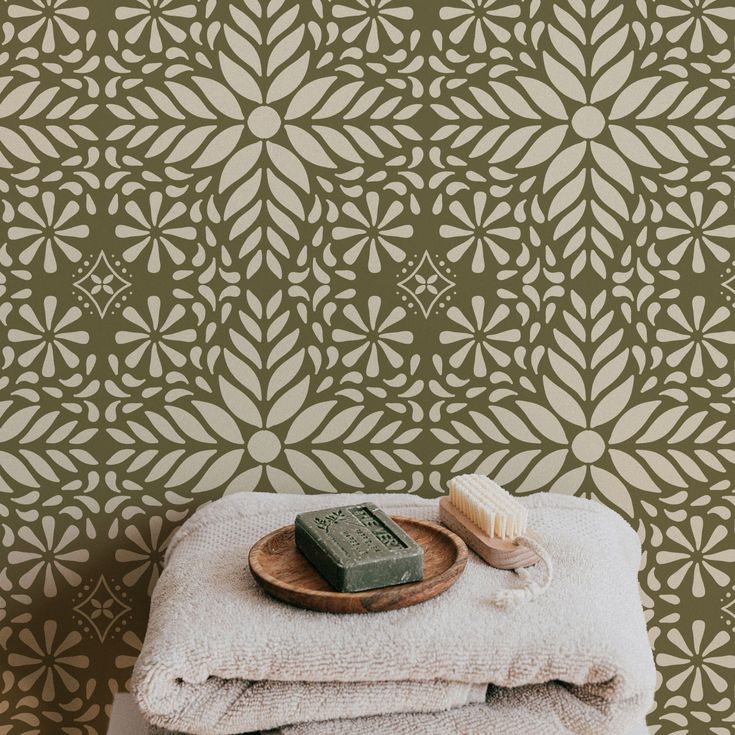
{"points": [[284, 572]]}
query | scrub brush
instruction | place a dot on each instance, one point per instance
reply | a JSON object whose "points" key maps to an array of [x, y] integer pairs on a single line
{"points": [[494, 525]]}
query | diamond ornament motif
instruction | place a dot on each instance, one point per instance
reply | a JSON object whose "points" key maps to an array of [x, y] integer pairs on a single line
{"points": [[102, 608], [426, 284], [102, 284]]}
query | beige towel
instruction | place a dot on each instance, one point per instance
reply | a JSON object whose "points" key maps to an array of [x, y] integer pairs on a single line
{"points": [[222, 657]]}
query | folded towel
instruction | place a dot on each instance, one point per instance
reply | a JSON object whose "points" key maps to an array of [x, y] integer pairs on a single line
{"points": [[222, 657]]}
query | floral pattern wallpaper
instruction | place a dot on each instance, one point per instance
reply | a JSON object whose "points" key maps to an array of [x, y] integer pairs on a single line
{"points": [[307, 246]]}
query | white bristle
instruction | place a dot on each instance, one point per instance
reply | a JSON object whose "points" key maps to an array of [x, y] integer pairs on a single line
{"points": [[491, 508]]}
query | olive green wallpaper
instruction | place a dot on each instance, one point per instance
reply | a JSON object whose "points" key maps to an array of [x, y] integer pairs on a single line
{"points": [[323, 246]]}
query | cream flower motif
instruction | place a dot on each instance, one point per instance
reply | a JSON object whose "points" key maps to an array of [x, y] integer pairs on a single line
{"points": [[102, 285], [426, 283], [698, 19], [49, 659], [371, 17], [374, 231], [696, 338], [147, 554], [49, 336], [48, 228], [696, 662], [156, 230], [155, 335], [48, 17], [583, 128], [374, 336], [697, 232], [159, 17], [479, 17], [698, 554], [49, 555], [479, 230], [479, 337]]}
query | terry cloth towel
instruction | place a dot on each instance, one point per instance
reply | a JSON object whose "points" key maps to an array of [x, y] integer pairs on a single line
{"points": [[221, 657]]}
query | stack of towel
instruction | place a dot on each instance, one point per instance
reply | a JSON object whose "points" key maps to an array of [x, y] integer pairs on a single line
{"points": [[221, 657]]}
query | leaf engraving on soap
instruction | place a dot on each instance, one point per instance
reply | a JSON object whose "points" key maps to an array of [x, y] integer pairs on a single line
{"points": [[328, 520]]}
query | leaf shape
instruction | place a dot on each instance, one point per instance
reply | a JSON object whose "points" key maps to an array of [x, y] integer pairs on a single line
{"points": [[285, 49], [338, 101], [240, 404], [544, 421], [17, 146], [631, 470], [308, 97], [16, 98], [243, 373], [308, 421], [219, 472], [632, 97], [221, 98], [567, 161], [513, 425], [543, 472], [189, 425], [663, 100], [488, 427], [663, 425], [514, 101], [567, 49], [631, 146], [17, 470], [663, 467], [219, 147], [513, 143], [289, 403], [338, 467], [339, 425], [245, 482], [608, 49], [308, 471], [189, 143], [515, 466], [632, 421], [563, 79], [564, 403], [613, 164], [544, 147], [288, 165], [240, 79], [17, 422], [189, 467], [289, 79], [543, 96], [219, 421], [613, 403], [612, 489], [190, 101], [243, 50], [285, 373]]}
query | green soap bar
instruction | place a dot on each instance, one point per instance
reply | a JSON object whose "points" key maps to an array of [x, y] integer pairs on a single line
{"points": [[358, 547]]}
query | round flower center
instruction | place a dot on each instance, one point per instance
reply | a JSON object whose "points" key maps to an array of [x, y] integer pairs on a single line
{"points": [[588, 446], [264, 122], [588, 122], [264, 446]]}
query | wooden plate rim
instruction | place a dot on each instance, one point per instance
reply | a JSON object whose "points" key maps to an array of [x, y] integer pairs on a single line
{"points": [[455, 568]]}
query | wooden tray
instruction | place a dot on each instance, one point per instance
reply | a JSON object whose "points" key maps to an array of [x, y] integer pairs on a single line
{"points": [[284, 572]]}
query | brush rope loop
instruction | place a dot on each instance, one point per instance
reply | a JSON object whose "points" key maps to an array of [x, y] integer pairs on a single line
{"points": [[531, 588]]}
